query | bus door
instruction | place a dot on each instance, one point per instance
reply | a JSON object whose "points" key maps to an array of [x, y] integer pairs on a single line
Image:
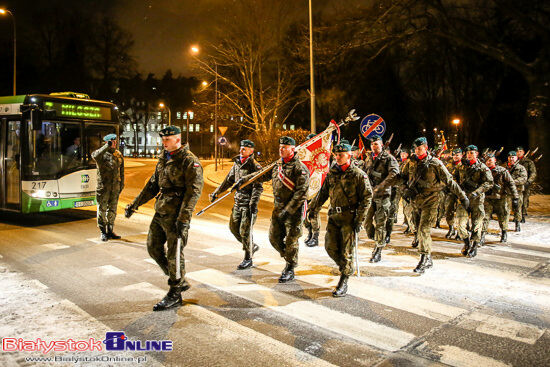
{"points": [[10, 165]]}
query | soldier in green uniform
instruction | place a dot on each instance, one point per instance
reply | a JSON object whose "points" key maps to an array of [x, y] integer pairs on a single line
{"points": [[245, 209], [382, 169], [356, 158], [475, 178], [531, 176], [290, 179], [312, 223], [451, 199], [177, 185], [350, 194], [395, 198], [520, 176], [495, 198], [424, 177], [110, 182]]}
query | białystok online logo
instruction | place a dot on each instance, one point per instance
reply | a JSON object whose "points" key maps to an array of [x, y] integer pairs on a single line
{"points": [[114, 341]]}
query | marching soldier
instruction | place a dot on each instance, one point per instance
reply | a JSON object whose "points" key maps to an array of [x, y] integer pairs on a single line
{"points": [[531, 176], [177, 185], [245, 209], [396, 193], [425, 176], [110, 182], [382, 169], [312, 225], [350, 194], [290, 179], [475, 179], [520, 176], [356, 158], [495, 200], [450, 199]]}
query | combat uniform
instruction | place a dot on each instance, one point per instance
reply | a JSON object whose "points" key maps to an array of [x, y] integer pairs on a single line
{"points": [[451, 201], [425, 177], [531, 176], [475, 179], [495, 200], [312, 222], [395, 198], [110, 182], [177, 185], [382, 171], [350, 194], [290, 180], [520, 176], [245, 209]]}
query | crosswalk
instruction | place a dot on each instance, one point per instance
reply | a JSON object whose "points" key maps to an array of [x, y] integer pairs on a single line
{"points": [[455, 314]]}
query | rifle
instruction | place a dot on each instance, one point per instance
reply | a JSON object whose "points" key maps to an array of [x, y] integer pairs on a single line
{"points": [[398, 150], [532, 153], [387, 143], [537, 159], [350, 117], [499, 151]]}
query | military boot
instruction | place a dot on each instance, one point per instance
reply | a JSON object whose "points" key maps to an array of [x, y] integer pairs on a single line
{"points": [[104, 236], [112, 235], [450, 232], [342, 287], [523, 218], [288, 273], [424, 263], [482, 240], [247, 261], [466, 248], [388, 238], [415, 241], [473, 249], [395, 220], [504, 237], [376, 255], [314, 241], [407, 230], [309, 234], [438, 223], [518, 227], [172, 299]]}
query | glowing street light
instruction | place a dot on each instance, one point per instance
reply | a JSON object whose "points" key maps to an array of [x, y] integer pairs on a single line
{"points": [[204, 83], [195, 49], [4, 12], [456, 122], [162, 105]]}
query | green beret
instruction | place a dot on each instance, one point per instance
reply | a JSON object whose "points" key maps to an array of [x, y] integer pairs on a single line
{"points": [[471, 147], [342, 148], [375, 138], [420, 141], [344, 141], [489, 155], [457, 151], [512, 153], [354, 148], [109, 137], [310, 136], [247, 143], [287, 140], [170, 130], [520, 148]]}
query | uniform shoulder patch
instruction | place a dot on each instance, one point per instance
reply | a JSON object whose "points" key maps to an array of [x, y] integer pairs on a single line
{"points": [[258, 166], [196, 164]]}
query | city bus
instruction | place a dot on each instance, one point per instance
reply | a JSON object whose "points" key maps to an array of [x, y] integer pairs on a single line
{"points": [[46, 141]]}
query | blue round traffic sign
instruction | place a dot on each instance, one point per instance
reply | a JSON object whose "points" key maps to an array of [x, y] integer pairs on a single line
{"points": [[372, 125], [222, 140]]}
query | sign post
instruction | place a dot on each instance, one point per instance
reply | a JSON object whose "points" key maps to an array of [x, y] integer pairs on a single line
{"points": [[222, 141]]}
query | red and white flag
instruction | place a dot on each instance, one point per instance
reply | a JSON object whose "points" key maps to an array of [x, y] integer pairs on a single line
{"points": [[315, 154]]}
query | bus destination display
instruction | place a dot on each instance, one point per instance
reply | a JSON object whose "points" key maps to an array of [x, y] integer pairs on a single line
{"points": [[63, 109]]}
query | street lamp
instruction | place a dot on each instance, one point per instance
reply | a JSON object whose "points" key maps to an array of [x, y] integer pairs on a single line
{"points": [[204, 83], [162, 105], [456, 122], [195, 51], [3, 12], [311, 76]]}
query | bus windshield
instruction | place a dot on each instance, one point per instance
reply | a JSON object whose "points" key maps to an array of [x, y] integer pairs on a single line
{"points": [[57, 148]]}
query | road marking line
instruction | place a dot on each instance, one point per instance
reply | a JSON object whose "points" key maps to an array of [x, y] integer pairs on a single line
{"points": [[145, 287], [221, 251], [150, 261], [523, 252], [362, 330], [95, 240], [507, 260], [458, 357], [503, 328], [110, 270], [55, 246]]}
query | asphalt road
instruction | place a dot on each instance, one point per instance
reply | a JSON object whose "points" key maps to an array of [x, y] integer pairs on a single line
{"points": [[493, 310]]}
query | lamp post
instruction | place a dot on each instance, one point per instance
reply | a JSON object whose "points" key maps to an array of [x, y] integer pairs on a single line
{"points": [[3, 12], [195, 50], [311, 74], [163, 105], [456, 122]]}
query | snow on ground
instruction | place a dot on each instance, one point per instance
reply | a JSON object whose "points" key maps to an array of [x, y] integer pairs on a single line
{"points": [[29, 310]]}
